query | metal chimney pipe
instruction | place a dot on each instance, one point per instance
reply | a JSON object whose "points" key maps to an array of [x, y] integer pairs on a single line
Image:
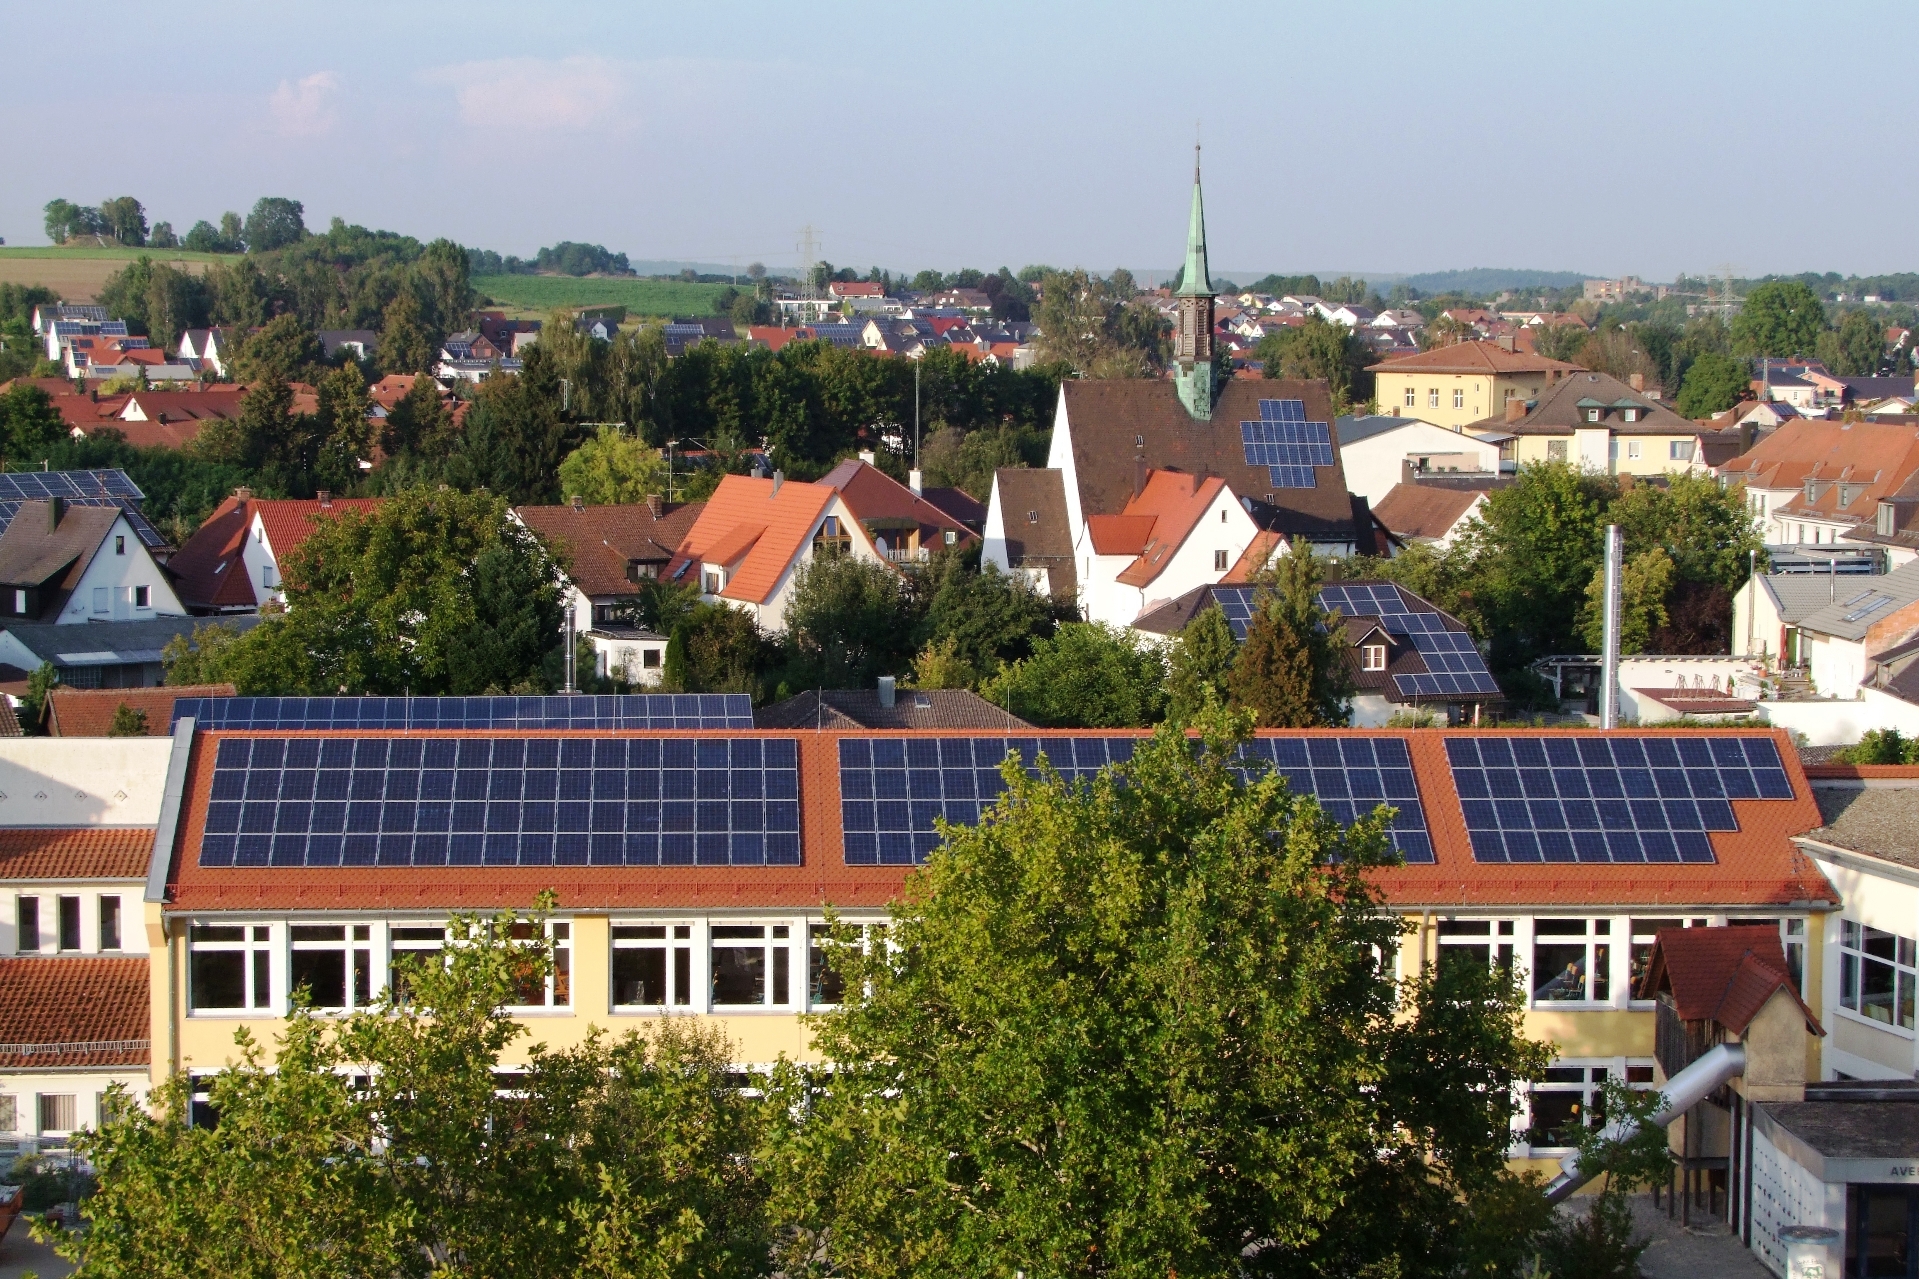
{"points": [[1609, 676]]}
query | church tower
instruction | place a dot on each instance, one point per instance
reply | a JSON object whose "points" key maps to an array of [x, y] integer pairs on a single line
{"points": [[1193, 344]]}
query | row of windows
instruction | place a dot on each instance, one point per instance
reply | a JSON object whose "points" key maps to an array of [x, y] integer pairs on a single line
{"points": [[1432, 397], [34, 928], [1572, 960], [1676, 450], [1877, 973], [257, 967], [1572, 1097]]}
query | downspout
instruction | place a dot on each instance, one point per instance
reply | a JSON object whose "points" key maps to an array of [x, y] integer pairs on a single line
{"points": [[1682, 1092], [159, 865]]}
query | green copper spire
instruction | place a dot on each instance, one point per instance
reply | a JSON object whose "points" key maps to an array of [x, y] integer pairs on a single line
{"points": [[1196, 281]]}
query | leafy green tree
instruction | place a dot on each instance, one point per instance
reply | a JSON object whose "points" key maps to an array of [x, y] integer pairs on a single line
{"points": [[1321, 349], [381, 1144], [284, 349], [1148, 1024], [346, 433], [1088, 675], [201, 237], [1779, 318], [201, 659], [275, 223], [125, 220], [1704, 527], [991, 617], [1199, 665], [716, 649], [127, 722], [612, 467], [163, 236], [1644, 582], [1535, 548], [1857, 348], [432, 593], [516, 434], [939, 665], [29, 425], [1291, 672], [62, 216], [1098, 327], [419, 425], [848, 621], [33, 707], [1713, 384], [406, 344]]}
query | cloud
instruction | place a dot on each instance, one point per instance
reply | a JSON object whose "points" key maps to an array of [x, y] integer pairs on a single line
{"points": [[304, 108], [538, 95]]}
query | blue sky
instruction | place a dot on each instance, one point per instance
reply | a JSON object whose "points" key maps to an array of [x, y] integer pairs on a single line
{"points": [[1383, 137]]}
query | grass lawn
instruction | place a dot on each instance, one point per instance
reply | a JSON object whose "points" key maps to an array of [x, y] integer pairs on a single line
{"points": [[77, 273], [535, 295]]}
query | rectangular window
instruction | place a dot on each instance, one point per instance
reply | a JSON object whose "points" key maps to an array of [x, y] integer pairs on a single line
{"points": [[1570, 963], [411, 947], [1432, 398], [1372, 657], [1570, 1098], [229, 966], [143, 597], [1592, 415], [20, 603], [646, 965], [1219, 562], [553, 989], [1459, 398], [26, 919], [333, 964], [751, 965], [951, 537], [824, 985], [9, 1113], [1680, 450], [267, 576], [58, 1114], [1555, 450], [1632, 448], [100, 606], [650, 658], [1412, 398], [119, 544], [1480, 941], [69, 923], [710, 582], [109, 923], [1876, 974]]}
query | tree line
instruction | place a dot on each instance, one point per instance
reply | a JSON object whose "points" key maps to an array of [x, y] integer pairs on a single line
{"points": [[274, 223]]}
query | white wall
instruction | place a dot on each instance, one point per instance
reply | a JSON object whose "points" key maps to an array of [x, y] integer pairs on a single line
{"points": [[1786, 1194], [82, 781], [106, 590], [262, 563], [771, 613], [1840, 723], [1855, 1045], [133, 929], [1223, 526], [612, 654], [85, 1087], [993, 532], [1373, 465], [1836, 665]]}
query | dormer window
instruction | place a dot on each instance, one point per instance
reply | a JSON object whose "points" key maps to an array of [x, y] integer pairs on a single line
{"points": [[1630, 415], [1812, 491], [1592, 415], [711, 581], [1372, 657]]}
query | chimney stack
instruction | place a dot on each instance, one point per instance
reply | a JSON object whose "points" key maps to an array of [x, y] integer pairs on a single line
{"points": [[1505, 342], [654, 505], [886, 691], [1139, 474], [915, 480], [779, 478], [326, 498], [1406, 471], [579, 502], [866, 456], [244, 493], [1515, 409], [1638, 382], [56, 506]]}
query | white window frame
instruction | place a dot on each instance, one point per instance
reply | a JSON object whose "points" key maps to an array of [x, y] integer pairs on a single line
{"points": [[1372, 657], [779, 974], [1856, 962], [1412, 397], [114, 938], [1599, 940], [673, 940], [1432, 398], [259, 943], [1594, 1072], [1632, 449], [1459, 397], [1219, 557], [557, 985], [359, 988], [1495, 941]]}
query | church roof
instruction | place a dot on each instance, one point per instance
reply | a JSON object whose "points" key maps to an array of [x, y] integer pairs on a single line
{"points": [[1197, 281]]}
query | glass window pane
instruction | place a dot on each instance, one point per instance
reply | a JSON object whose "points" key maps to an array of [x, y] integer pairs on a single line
{"points": [[1876, 992], [739, 975], [1559, 971], [218, 978], [1556, 1118], [639, 976], [322, 973]]}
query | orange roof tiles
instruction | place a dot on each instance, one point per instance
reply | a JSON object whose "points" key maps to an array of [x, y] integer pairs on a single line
{"points": [[89, 712], [774, 519], [1872, 460], [89, 1011], [92, 852], [1475, 357], [290, 521], [1174, 501]]}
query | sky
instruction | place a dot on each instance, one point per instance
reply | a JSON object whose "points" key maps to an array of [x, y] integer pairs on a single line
{"points": [[1386, 137]]}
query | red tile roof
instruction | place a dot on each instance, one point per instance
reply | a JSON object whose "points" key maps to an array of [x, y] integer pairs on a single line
{"points": [[595, 543], [208, 571], [1721, 974], [1175, 502], [92, 852], [770, 336], [1474, 357], [1873, 459], [767, 526], [290, 521], [89, 712], [1258, 553], [1757, 865], [59, 1010], [874, 497]]}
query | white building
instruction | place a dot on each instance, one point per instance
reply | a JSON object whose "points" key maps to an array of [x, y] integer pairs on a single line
{"points": [[1376, 452], [1177, 532], [74, 564]]}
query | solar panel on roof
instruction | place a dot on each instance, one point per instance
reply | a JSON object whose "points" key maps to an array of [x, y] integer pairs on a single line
{"points": [[631, 711], [483, 801], [1286, 444], [77, 488], [1608, 799], [892, 789]]}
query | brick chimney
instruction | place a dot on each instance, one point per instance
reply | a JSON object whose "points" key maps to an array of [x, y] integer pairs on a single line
{"points": [[326, 499], [244, 493], [1515, 408], [578, 501], [1638, 382], [655, 505]]}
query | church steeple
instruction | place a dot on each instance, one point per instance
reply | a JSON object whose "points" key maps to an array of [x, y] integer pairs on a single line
{"points": [[1193, 344]]}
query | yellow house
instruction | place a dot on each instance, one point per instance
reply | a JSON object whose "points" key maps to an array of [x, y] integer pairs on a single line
{"points": [[1603, 425], [1460, 385]]}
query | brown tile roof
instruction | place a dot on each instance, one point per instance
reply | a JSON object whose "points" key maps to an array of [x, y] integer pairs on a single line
{"points": [[763, 524], [92, 852], [58, 1010], [879, 502], [183, 406], [1474, 357], [1875, 459], [1724, 975], [1107, 415], [34, 555], [207, 570], [1424, 510], [856, 708], [1557, 411], [1033, 510], [595, 543], [958, 504], [89, 712]]}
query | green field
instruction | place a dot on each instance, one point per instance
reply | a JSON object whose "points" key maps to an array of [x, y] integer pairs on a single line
{"points": [[113, 252], [537, 294], [76, 274]]}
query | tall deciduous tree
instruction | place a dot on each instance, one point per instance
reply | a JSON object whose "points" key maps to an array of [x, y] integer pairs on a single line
{"points": [[1148, 1024], [1713, 384], [848, 622], [275, 223], [126, 220], [1779, 318], [611, 468], [716, 649], [1321, 349], [419, 425], [1291, 672], [1088, 675], [406, 344], [1199, 665]]}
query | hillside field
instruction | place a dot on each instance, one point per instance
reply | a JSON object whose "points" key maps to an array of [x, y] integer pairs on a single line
{"points": [[535, 295], [76, 274]]}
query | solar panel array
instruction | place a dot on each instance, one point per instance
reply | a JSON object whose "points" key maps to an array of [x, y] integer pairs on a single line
{"points": [[892, 789], [1452, 659], [1608, 799], [480, 801], [77, 488], [1236, 602], [1286, 444], [632, 711]]}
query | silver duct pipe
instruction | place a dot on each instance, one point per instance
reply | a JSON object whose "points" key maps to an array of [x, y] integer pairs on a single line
{"points": [[1609, 676], [1682, 1092]]}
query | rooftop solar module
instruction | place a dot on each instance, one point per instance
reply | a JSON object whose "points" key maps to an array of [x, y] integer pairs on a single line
{"points": [[78, 488], [1286, 444], [479, 801], [631, 712], [1454, 667], [1608, 799], [892, 789]]}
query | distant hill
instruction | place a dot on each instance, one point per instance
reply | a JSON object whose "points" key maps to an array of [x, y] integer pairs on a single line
{"points": [[1488, 279]]}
